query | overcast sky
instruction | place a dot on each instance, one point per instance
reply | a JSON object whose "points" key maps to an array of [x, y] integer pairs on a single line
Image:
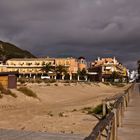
{"points": [[88, 28]]}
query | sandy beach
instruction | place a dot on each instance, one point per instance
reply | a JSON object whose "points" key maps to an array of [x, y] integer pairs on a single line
{"points": [[59, 109]]}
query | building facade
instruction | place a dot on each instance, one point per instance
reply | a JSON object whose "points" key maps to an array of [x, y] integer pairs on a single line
{"points": [[28, 65], [82, 64], [32, 67], [107, 69], [102, 69]]}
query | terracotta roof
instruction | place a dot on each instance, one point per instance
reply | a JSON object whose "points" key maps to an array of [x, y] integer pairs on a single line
{"points": [[102, 61]]}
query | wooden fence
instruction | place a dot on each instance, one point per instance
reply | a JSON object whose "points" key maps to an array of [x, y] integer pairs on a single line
{"points": [[106, 129]]}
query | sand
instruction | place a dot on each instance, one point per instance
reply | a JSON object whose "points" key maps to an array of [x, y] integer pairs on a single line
{"points": [[59, 109]]}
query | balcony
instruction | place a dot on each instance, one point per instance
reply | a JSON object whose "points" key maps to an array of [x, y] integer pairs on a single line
{"points": [[107, 72]]}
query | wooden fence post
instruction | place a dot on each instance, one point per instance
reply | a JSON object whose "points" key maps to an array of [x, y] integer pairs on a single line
{"points": [[127, 100], [104, 107], [128, 96], [99, 137], [115, 125], [117, 116], [121, 113], [124, 103], [123, 107], [110, 135]]}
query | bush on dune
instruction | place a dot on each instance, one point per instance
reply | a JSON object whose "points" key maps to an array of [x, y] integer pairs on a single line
{"points": [[28, 92], [6, 92], [94, 110]]}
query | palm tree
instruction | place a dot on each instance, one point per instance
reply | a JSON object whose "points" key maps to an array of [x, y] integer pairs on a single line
{"points": [[61, 70], [47, 68], [82, 73], [114, 76]]}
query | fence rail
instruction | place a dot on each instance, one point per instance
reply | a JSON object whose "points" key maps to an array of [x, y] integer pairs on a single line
{"points": [[106, 128]]}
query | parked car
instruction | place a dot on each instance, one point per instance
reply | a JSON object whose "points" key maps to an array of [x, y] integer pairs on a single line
{"points": [[45, 77]]}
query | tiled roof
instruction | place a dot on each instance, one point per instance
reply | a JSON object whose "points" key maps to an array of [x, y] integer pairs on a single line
{"points": [[102, 61]]}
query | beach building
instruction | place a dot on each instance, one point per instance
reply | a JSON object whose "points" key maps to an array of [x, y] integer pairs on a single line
{"points": [[8, 79], [29, 67], [33, 67], [108, 69]]}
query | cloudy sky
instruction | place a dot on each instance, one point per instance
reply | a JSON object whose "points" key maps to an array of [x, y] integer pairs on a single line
{"points": [[88, 28]]}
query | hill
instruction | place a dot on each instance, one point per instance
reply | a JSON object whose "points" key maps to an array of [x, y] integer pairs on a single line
{"points": [[8, 50]]}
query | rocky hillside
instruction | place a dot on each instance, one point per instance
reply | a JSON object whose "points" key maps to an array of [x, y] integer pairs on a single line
{"points": [[8, 50]]}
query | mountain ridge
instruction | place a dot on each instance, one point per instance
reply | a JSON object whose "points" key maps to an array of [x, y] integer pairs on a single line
{"points": [[9, 50]]}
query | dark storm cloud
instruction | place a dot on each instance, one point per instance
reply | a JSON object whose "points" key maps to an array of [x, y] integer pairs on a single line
{"points": [[74, 27]]}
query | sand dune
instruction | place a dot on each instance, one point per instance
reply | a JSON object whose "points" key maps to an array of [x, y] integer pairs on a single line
{"points": [[59, 108]]}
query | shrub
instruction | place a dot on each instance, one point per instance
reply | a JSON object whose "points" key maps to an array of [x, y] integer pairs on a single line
{"points": [[68, 84], [6, 92], [50, 114], [1, 96], [88, 83], [106, 83], [49, 80], [61, 114], [52, 80], [74, 110], [28, 92], [22, 80], [86, 108], [46, 81], [38, 81], [67, 81], [97, 110], [9, 92], [56, 84], [31, 80], [1, 87], [118, 84], [48, 84]]}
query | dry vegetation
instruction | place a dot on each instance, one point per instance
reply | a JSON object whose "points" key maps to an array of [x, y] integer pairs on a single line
{"points": [[28, 92], [4, 91]]}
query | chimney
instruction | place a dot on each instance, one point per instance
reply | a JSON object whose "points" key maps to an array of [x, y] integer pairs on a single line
{"points": [[98, 59], [114, 59]]}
